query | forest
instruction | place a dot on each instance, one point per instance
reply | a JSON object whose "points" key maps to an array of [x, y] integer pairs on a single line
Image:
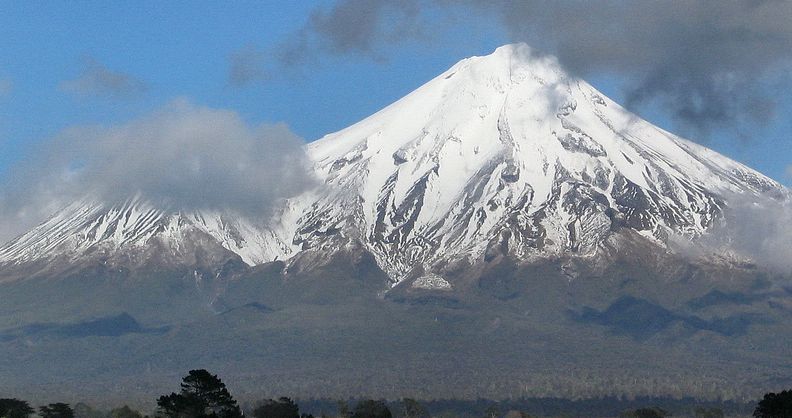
{"points": [[204, 395]]}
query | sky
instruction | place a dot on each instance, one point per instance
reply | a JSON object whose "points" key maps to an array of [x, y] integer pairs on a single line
{"points": [[88, 87]]}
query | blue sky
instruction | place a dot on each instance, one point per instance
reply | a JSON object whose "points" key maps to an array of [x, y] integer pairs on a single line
{"points": [[66, 64]]}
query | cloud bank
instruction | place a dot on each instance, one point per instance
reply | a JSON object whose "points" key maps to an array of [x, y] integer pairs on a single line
{"points": [[99, 81], [182, 157], [705, 61]]}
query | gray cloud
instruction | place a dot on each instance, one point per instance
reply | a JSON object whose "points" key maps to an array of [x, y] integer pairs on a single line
{"points": [[358, 27], [98, 80], [183, 157], [349, 26], [704, 60], [6, 86], [246, 66]]}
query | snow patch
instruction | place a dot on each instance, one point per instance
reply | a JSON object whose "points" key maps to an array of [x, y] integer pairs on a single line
{"points": [[431, 282]]}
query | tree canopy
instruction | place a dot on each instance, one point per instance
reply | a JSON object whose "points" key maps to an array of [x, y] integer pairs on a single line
{"points": [[202, 395], [56, 410], [775, 405], [371, 409], [125, 412], [277, 408], [15, 408]]}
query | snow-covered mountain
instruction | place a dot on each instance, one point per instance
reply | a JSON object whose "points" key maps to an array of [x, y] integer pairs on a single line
{"points": [[502, 154], [95, 229]]}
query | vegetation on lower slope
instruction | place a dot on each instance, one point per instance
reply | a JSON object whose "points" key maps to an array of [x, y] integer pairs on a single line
{"points": [[205, 395], [519, 332]]}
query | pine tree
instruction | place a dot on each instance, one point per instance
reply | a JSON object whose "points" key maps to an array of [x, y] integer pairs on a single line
{"points": [[371, 409], [56, 410], [202, 395], [775, 405], [125, 412], [280, 408], [15, 408]]}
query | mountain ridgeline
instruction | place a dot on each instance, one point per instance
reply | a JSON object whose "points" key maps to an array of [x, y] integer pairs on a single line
{"points": [[505, 216]]}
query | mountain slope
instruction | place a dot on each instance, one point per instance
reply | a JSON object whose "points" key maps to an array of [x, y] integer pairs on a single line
{"points": [[136, 233], [507, 153], [501, 154]]}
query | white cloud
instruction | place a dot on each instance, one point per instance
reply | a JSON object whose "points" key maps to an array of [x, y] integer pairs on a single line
{"points": [[755, 228], [183, 156]]}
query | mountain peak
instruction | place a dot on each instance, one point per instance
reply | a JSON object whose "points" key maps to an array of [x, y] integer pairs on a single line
{"points": [[507, 153], [517, 61], [500, 155], [521, 54]]}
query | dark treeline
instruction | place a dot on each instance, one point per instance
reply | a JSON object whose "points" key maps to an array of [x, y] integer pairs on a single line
{"points": [[556, 407], [204, 395]]}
